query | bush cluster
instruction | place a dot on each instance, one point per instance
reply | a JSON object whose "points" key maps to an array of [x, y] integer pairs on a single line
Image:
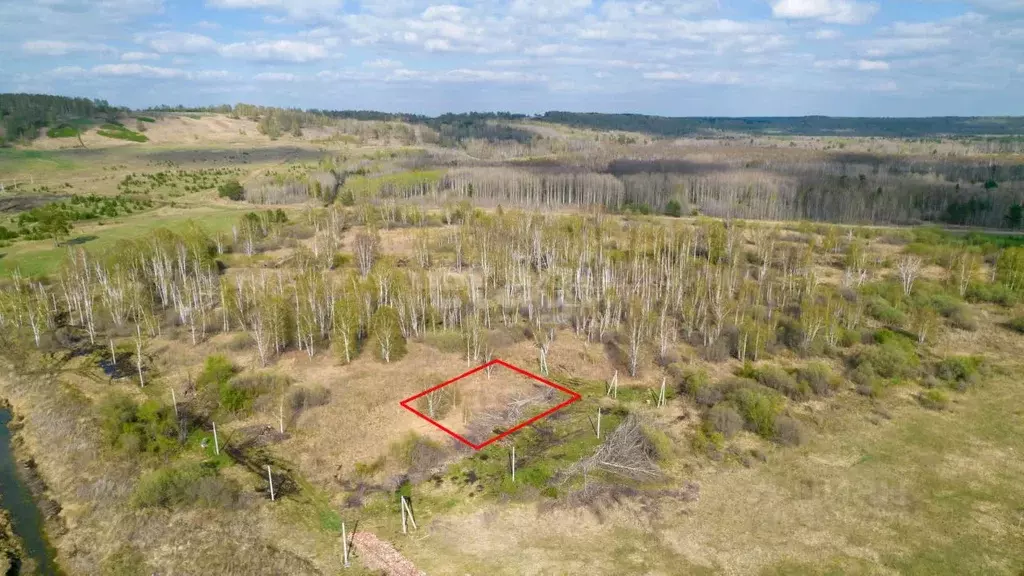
{"points": [[148, 428]]}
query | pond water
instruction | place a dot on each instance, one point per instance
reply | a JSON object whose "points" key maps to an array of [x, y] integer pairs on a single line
{"points": [[17, 499]]}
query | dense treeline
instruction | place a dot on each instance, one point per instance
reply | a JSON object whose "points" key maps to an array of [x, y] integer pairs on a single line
{"points": [[844, 189], [804, 125], [22, 115], [638, 288]]}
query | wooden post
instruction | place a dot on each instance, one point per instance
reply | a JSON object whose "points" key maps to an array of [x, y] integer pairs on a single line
{"points": [[407, 513], [216, 443], [613, 386], [344, 545], [408, 509], [661, 395], [430, 404], [174, 401], [280, 416], [113, 355], [405, 527], [513, 463], [598, 422], [270, 478]]}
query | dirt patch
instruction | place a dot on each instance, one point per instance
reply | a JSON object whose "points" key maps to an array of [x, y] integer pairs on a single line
{"points": [[377, 554]]}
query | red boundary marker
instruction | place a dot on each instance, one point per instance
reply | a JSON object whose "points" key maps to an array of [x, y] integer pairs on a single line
{"points": [[573, 397]]}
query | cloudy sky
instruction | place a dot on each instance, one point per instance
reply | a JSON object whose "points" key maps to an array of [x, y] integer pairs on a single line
{"points": [[671, 57]]}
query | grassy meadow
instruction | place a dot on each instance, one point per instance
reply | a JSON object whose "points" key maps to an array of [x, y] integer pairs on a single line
{"points": [[839, 398]]}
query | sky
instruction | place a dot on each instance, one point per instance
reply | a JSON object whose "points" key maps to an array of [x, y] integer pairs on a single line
{"points": [[666, 57]]}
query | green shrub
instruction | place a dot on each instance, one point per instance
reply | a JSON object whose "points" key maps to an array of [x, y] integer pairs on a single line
{"points": [[674, 209], [960, 371], [231, 190], [725, 420], [894, 356], [942, 303], [934, 399], [759, 407], [121, 133], [448, 341], [145, 119], [1016, 324], [819, 378], [302, 398], [996, 293], [866, 380], [217, 370], [776, 378], [192, 484], [789, 431], [62, 131], [148, 428], [660, 442], [880, 309], [707, 441], [964, 319], [216, 386]]}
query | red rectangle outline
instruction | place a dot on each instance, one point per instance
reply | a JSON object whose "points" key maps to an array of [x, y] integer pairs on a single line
{"points": [[573, 397]]}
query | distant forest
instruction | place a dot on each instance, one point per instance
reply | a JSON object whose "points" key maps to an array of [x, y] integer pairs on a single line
{"points": [[22, 115], [795, 126]]}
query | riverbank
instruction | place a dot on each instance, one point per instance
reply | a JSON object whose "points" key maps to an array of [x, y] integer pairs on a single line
{"points": [[24, 544], [12, 552]]}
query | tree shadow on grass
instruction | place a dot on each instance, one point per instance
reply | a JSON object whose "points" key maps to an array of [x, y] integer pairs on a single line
{"points": [[78, 240]]}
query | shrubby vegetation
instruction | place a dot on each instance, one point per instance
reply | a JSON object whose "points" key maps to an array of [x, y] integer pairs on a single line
{"points": [[22, 115]]}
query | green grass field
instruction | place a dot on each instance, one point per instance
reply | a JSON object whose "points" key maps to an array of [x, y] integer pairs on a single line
{"points": [[14, 160], [43, 257]]}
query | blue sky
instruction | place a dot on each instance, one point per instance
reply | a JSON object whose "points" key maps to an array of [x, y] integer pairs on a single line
{"points": [[670, 57]]}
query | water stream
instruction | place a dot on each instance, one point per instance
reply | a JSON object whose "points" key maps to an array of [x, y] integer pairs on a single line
{"points": [[17, 500]]}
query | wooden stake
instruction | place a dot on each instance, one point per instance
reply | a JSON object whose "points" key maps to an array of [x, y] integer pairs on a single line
{"points": [[407, 512], [344, 545], [405, 527], [513, 463], [174, 401], [598, 422], [661, 395], [216, 443], [280, 416], [113, 355], [270, 478], [613, 386]]}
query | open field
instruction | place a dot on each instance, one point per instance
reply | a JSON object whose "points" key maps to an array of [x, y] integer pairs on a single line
{"points": [[790, 375]]}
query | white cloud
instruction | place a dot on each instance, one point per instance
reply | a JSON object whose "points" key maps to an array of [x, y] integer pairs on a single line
{"points": [[830, 11], [713, 77], [880, 47], [382, 63], [294, 9], [275, 51], [825, 34], [60, 48], [555, 50], [138, 56], [207, 25], [168, 42], [275, 77], [548, 9], [847, 64], [466, 75], [869, 65], [139, 71]]}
